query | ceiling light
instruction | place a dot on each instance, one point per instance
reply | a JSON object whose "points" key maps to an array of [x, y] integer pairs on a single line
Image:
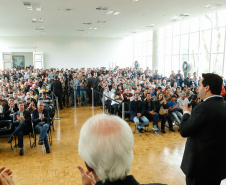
{"points": [[41, 19], [211, 6], [110, 12], [116, 13], [39, 8], [90, 28], [101, 21], [95, 28], [34, 20], [135, 0], [29, 8]]}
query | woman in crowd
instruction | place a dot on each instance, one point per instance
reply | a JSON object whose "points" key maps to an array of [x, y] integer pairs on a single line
{"points": [[161, 102], [118, 97]]}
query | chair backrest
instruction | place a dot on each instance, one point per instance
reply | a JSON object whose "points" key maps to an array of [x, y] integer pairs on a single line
{"points": [[6, 128]]}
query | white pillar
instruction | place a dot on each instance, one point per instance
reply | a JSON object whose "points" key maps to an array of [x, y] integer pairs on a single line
{"points": [[157, 51]]}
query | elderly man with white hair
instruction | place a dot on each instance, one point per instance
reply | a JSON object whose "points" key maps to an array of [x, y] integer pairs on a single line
{"points": [[106, 146], [182, 101]]}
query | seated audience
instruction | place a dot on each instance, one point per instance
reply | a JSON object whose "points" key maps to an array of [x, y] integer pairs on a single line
{"points": [[150, 111], [117, 96], [106, 146], [182, 101], [23, 119], [41, 119], [137, 111], [161, 102], [173, 107], [9, 109], [29, 105]]}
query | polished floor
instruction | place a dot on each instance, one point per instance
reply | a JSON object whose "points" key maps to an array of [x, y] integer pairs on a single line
{"points": [[156, 158]]}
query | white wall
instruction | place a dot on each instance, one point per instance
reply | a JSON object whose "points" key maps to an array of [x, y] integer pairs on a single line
{"points": [[28, 57], [65, 52]]}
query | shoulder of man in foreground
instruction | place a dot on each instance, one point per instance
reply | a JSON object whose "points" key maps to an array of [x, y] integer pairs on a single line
{"points": [[200, 116]]}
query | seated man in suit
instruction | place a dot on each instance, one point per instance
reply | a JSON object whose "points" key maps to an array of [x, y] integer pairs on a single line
{"points": [[9, 108], [106, 146], [137, 110], [40, 118], [150, 111], [23, 118]]}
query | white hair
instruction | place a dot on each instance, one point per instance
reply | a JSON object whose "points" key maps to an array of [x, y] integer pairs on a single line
{"points": [[105, 144]]}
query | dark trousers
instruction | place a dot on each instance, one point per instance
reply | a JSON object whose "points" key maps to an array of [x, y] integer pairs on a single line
{"points": [[154, 117], [204, 181], [164, 118], [60, 101], [20, 130]]}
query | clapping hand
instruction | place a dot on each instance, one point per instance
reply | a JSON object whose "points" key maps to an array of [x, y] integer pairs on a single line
{"points": [[186, 108], [5, 177], [87, 177]]}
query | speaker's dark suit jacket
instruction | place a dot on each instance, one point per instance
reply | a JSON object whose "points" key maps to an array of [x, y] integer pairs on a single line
{"points": [[129, 180], [205, 150]]}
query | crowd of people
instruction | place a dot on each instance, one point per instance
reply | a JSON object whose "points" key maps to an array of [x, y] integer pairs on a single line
{"points": [[147, 94]]}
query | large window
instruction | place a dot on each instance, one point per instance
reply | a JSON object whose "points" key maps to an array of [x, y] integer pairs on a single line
{"points": [[200, 41], [138, 48]]}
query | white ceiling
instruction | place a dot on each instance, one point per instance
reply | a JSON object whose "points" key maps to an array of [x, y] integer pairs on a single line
{"points": [[15, 19]]}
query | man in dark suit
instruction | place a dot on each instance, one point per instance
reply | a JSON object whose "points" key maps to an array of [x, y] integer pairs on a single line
{"points": [[150, 112], [23, 118], [41, 119], [9, 108], [204, 160], [56, 88], [137, 110], [106, 146]]}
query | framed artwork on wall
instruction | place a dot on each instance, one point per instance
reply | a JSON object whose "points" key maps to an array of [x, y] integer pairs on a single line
{"points": [[18, 61]]}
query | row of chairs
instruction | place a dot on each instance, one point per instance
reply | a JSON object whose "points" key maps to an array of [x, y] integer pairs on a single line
{"points": [[7, 127]]}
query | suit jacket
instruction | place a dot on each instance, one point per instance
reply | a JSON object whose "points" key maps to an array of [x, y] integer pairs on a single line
{"points": [[27, 117], [7, 112], [136, 107], [56, 87], [205, 150], [153, 107], [35, 117], [129, 180]]}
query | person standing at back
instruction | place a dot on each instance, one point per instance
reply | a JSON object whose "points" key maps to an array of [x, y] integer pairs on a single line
{"points": [[204, 160], [56, 88]]}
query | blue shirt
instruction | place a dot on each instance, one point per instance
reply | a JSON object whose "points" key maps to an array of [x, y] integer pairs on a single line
{"points": [[171, 104]]}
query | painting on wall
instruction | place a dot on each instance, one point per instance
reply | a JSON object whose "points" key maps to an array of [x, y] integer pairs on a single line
{"points": [[18, 61]]}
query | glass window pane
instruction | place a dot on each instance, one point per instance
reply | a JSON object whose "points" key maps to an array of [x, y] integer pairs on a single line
{"points": [[194, 25], [175, 62], [176, 45], [203, 64], [184, 27], [176, 29], [169, 31], [218, 40], [217, 63], [149, 48], [167, 65], [205, 39], [194, 42], [206, 22], [184, 44], [219, 19], [168, 45], [193, 59], [150, 35], [149, 62]]}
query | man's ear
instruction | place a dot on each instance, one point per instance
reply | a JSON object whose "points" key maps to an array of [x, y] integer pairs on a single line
{"points": [[207, 88], [88, 168]]}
